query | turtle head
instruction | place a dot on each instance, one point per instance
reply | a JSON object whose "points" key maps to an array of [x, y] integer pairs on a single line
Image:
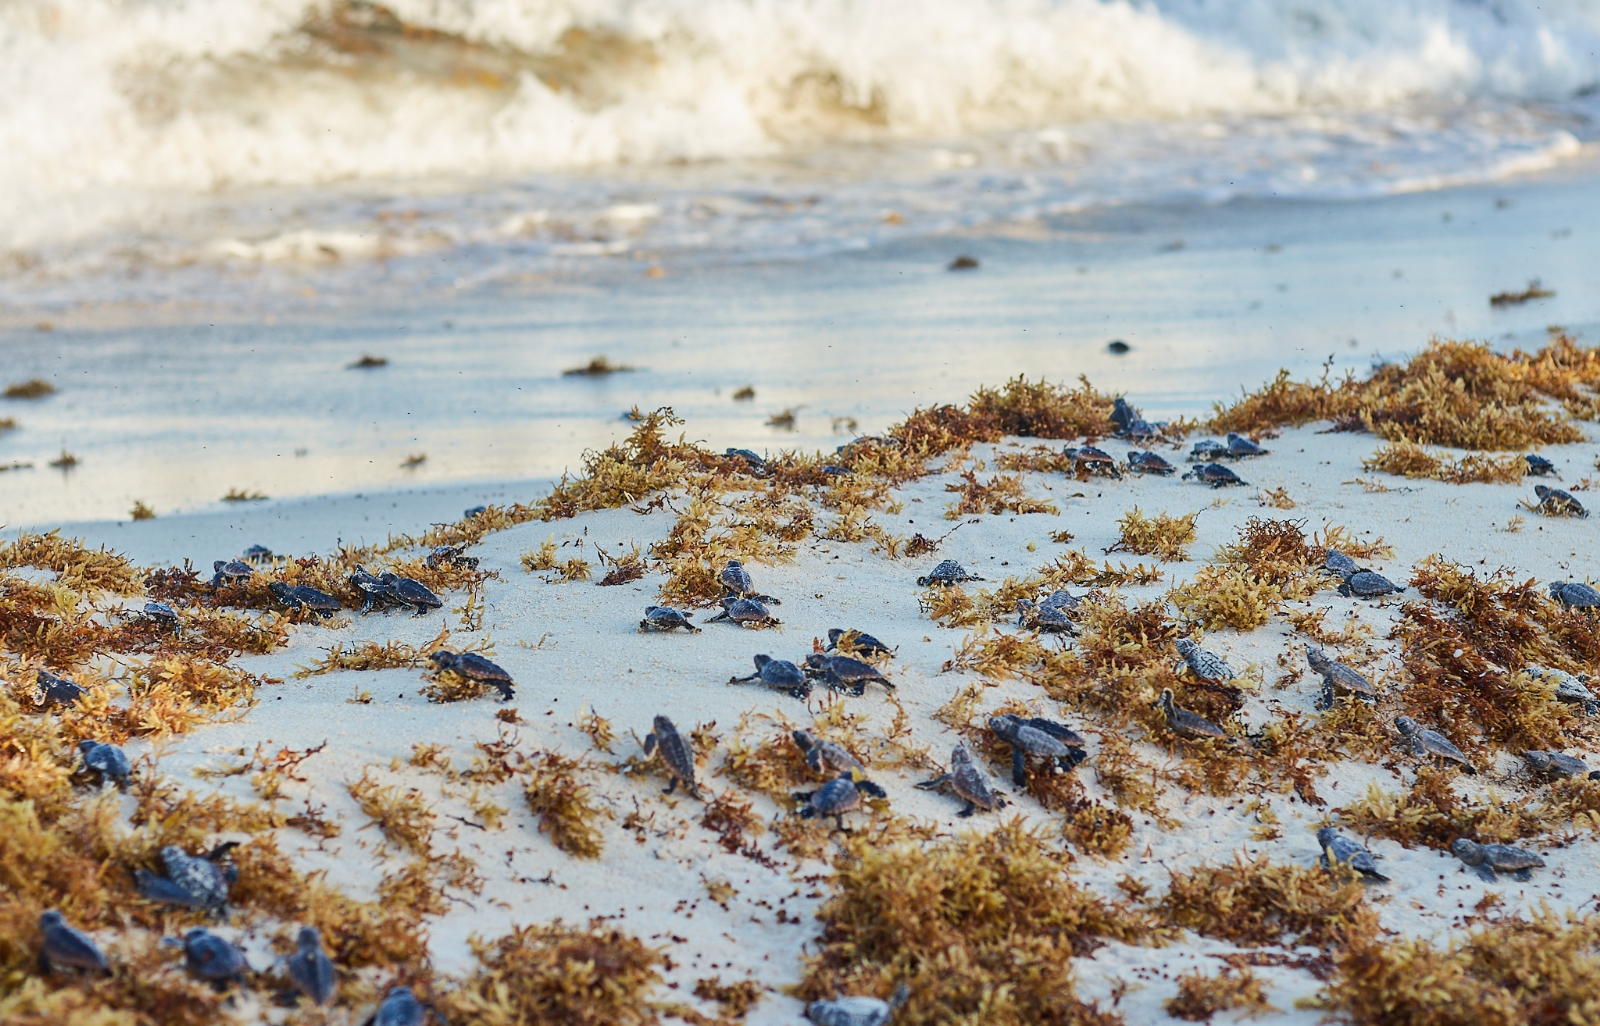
{"points": [[804, 739], [86, 746], [1541, 491], [280, 591], [1406, 725], [1185, 647], [816, 660], [960, 756], [1537, 760], [444, 659], [834, 634], [1003, 724], [1165, 701], [663, 725], [762, 660], [1326, 835], [735, 564], [1555, 588], [1024, 605], [50, 917], [310, 939], [1465, 849]]}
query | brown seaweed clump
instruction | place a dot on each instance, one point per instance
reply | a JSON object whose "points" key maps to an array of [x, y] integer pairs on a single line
{"points": [[565, 806], [1431, 814], [1257, 903], [1406, 459], [1200, 996], [1163, 536], [978, 927], [1003, 493]]}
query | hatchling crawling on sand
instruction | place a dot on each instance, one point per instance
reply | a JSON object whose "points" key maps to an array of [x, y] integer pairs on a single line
{"points": [[1489, 859], [854, 642], [1366, 584], [310, 970], [1047, 619], [301, 596], [1338, 679], [1568, 688], [735, 580], [663, 618], [857, 1011], [409, 591], [1203, 664], [450, 555], [1575, 594], [1038, 737], [1206, 450], [58, 690], [1339, 563], [779, 675], [822, 755], [1141, 462], [1186, 724], [1130, 422], [475, 667], [257, 554], [1239, 447], [676, 755], [1215, 475], [108, 762], [66, 947], [1086, 459], [838, 796], [844, 674], [191, 881], [1430, 744], [746, 612], [164, 615], [1538, 466], [228, 572], [968, 782], [212, 959], [1553, 502], [947, 572], [1558, 766], [1341, 851]]}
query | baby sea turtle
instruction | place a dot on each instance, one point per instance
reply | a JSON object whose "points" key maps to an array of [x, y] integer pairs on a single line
{"points": [[1538, 466], [824, 755], [1341, 564], [736, 582], [756, 464], [310, 970], [1047, 619], [230, 572], [1553, 502], [1040, 737], [676, 755], [1086, 459], [1489, 859], [968, 782], [108, 761], [409, 591], [856, 1010], [947, 572], [1062, 599], [1575, 595], [66, 947], [1186, 724], [1149, 463], [842, 673], [1430, 744], [475, 667], [59, 690], [1203, 664], [212, 959], [303, 596], [1568, 688], [1206, 450], [472, 511], [746, 612], [1341, 851], [1557, 766], [400, 1008], [450, 555], [1366, 584], [1240, 447], [1338, 679], [1215, 475], [257, 554], [662, 618], [164, 615], [857, 643], [1123, 414], [837, 797], [190, 881], [779, 675]]}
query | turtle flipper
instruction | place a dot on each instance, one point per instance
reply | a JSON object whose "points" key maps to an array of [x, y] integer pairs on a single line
{"points": [[1523, 875], [935, 783], [968, 811], [1485, 873], [1019, 767], [672, 786], [868, 787], [649, 744]]}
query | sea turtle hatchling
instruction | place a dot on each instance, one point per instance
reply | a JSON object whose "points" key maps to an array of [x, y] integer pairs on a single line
{"points": [[745, 612], [1039, 737], [1086, 460], [676, 755], [1203, 664], [164, 615], [58, 690], [1062, 599], [1339, 563], [310, 970], [857, 1010], [450, 555], [947, 572], [1538, 466], [753, 461], [736, 582], [107, 761], [1568, 688], [844, 674], [191, 881], [663, 618], [854, 642], [779, 675], [1558, 766], [475, 667], [1489, 859], [1186, 724], [1123, 414], [257, 554], [1215, 475], [1338, 679], [409, 591], [1239, 447], [1141, 462], [212, 959], [1430, 744], [1207, 450], [968, 782], [230, 572], [376, 591], [838, 796], [822, 755], [400, 1007], [1047, 619], [1553, 502], [1341, 851], [1575, 594], [66, 947], [303, 596], [1366, 584]]}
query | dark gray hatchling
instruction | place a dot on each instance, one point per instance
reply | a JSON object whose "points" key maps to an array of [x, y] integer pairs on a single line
{"points": [[1040, 738], [400, 1008], [1342, 851], [745, 612], [228, 572], [736, 582], [1240, 447], [1186, 724], [310, 970], [1538, 466], [107, 761], [475, 667], [1341, 564], [1553, 502], [663, 618], [212, 959], [190, 881], [1123, 415], [779, 675], [58, 690], [822, 755], [257, 554], [1062, 599], [838, 796], [857, 1010], [1366, 584], [450, 555], [303, 596], [1086, 459], [856, 642], [1575, 594], [968, 782], [1207, 450], [1046, 619], [1215, 475], [1203, 664], [66, 947], [1338, 680], [1430, 744], [947, 572], [1489, 859], [676, 755], [164, 615], [752, 460], [1141, 462], [376, 591], [1556, 766], [411, 592], [1568, 688], [844, 674]]}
